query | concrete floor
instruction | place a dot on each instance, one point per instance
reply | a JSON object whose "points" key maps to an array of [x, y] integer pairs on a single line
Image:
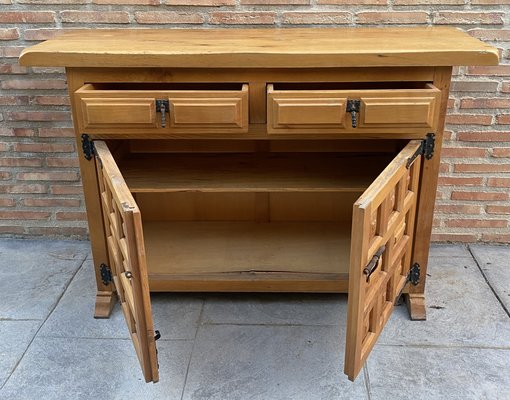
{"points": [[248, 346]]}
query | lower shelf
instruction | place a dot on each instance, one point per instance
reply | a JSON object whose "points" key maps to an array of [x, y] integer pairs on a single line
{"points": [[248, 256]]}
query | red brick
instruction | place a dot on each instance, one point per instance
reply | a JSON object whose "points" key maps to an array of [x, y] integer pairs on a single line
{"points": [[474, 86], [50, 100], [489, 136], [497, 209], [32, 188], [44, 147], [58, 231], [496, 237], [51, 202], [71, 216], [444, 168], [23, 132], [458, 209], [66, 189], [505, 88], [469, 119], [501, 152], [95, 17], [23, 215], [217, 3], [168, 17], [461, 152], [5, 176], [481, 168], [12, 230], [468, 18], [129, 2], [47, 176], [354, 2], [13, 100], [489, 2], [454, 237], [26, 17], [13, 69], [459, 181], [499, 182], [323, 17], [20, 162], [242, 18], [397, 17], [46, 84], [53, 1], [7, 202], [4, 146], [9, 33], [499, 70], [42, 33], [56, 132], [476, 223], [427, 2], [485, 103], [497, 35], [10, 51], [38, 116], [503, 119], [479, 196], [62, 162]]}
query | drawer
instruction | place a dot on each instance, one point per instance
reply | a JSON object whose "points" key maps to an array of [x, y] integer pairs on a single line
{"points": [[162, 108], [319, 109]]}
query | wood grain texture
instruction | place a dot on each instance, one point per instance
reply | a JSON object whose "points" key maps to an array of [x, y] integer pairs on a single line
{"points": [[262, 48]]}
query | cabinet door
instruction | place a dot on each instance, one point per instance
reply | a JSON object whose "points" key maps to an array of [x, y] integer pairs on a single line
{"points": [[382, 236], [123, 226]]}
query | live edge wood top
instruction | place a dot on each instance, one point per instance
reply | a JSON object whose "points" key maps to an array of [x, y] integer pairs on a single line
{"points": [[262, 48]]}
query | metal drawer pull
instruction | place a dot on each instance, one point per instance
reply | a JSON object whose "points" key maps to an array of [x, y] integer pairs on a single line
{"points": [[374, 262], [163, 106], [353, 108]]}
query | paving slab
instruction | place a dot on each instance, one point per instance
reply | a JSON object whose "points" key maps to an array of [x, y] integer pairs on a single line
{"points": [[175, 316], [15, 336], [278, 309], [34, 274], [269, 362], [495, 264], [438, 373], [449, 250], [461, 310], [106, 369]]}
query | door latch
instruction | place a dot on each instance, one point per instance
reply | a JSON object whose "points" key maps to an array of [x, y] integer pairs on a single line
{"points": [[353, 108]]}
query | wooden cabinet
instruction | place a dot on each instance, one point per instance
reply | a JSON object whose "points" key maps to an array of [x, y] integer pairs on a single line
{"points": [[296, 160]]}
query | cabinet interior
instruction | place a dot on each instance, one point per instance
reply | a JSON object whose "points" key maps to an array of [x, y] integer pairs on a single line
{"points": [[249, 210]]}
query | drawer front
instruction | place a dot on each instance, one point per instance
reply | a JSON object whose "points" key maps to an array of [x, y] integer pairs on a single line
{"points": [[110, 111], [328, 111]]}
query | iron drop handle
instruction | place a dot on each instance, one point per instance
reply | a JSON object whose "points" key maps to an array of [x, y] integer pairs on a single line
{"points": [[353, 108], [374, 262], [162, 106]]}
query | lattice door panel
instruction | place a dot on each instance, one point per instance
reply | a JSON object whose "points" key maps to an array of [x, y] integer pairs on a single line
{"points": [[381, 243], [124, 236]]}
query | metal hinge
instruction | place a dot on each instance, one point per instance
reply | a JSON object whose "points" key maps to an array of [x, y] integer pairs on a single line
{"points": [[163, 106], [106, 274], [413, 277], [426, 149], [87, 146]]}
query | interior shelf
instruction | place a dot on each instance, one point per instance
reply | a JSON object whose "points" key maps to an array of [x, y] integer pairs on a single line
{"points": [[247, 250], [251, 172]]}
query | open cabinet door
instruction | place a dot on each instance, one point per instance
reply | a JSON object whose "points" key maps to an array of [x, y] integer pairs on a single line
{"points": [[381, 243], [123, 227]]}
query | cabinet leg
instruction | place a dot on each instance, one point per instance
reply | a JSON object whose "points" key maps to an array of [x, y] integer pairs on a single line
{"points": [[415, 303], [104, 304]]}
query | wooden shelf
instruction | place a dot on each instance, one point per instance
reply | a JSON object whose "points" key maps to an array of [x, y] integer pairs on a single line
{"points": [[247, 252], [266, 172]]}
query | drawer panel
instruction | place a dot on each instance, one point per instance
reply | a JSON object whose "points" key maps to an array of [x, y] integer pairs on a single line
{"points": [[293, 110], [116, 108]]}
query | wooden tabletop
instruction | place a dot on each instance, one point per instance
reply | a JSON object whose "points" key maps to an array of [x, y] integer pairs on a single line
{"points": [[262, 48]]}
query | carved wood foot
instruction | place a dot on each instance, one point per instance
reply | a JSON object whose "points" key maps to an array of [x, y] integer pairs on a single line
{"points": [[416, 306], [104, 304]]}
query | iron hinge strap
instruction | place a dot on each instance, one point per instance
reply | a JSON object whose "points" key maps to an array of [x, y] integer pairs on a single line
{"points": [[425, 149], [106, 274], [413, 277], [87, 146]]}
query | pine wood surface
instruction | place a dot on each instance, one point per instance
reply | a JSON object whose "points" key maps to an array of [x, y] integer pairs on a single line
{"points": [[263, 48]]}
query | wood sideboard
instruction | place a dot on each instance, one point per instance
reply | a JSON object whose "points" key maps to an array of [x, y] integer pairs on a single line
{"points": [[260, 160]]}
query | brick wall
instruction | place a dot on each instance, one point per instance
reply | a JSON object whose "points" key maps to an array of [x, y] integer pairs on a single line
{"points": [[40, 191]]}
